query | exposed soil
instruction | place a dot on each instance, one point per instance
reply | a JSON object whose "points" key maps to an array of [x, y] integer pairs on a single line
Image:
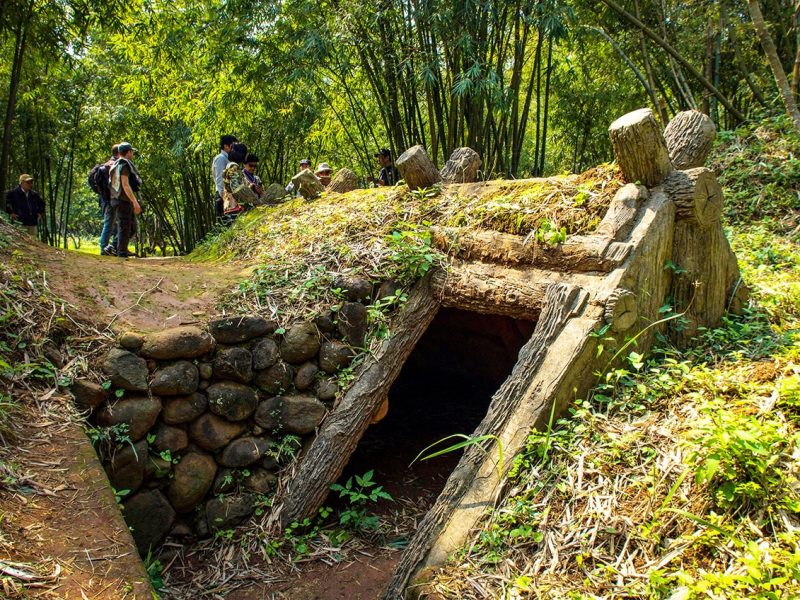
{"points": [[60, 522], [143, 294]]}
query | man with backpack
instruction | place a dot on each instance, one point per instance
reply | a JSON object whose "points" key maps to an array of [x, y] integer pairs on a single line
{"points": [[124, 182], [99, 184]]}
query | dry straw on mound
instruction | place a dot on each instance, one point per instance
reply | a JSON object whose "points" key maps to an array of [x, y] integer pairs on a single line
{"points": [[300, 246]]}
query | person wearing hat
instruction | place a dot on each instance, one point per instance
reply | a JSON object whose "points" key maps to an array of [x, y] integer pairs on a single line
{"points": [[304, 164], [388, 174], [249, 172], [323, 173], [25, 205], [124, 182]]}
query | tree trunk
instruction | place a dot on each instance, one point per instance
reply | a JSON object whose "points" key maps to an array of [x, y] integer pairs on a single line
{"points": [[462, 167], [774, 62], [417, 169], [11, 103], [737, 51], [690, 136], [639, 147], [677, 56], [341, 431], [345, 181]]}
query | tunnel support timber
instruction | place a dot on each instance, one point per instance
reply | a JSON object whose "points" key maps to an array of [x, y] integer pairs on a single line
{"points": [[340, 432]]}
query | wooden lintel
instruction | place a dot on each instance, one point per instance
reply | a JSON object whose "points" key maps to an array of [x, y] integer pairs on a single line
{"points": [[582, 253], [491, 289]]}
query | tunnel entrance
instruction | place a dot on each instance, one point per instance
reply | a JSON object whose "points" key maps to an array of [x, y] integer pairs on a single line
{"points": [[444, 388]]}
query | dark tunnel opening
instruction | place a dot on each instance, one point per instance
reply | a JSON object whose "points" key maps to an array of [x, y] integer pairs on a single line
{"points": [[444, 388]]}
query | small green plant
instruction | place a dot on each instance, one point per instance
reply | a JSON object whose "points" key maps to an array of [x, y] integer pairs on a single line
{"points": [[378, 314], [285, 449], [426, 193], [155, 570], [359, 491], [106, 439], [549, 233], [411, 252]]}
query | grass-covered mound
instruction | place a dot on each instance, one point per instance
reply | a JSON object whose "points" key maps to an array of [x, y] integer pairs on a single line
{"points": [[759, 170], [679, 476], [384, 233]]}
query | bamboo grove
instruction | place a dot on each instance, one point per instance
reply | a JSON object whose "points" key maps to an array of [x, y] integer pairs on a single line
{"points": [[529, 84]]}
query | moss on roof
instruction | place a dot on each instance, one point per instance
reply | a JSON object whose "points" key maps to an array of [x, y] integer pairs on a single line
{"points": [[383, 233]]}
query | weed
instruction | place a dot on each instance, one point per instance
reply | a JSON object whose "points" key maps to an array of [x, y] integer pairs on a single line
{"points": [[411, 252], [155, 570], [359, 491]]}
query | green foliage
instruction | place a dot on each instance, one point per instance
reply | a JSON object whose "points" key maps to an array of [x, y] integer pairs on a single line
{"points": [[359, 491], [549, 233], [411, 252], [155, 570], [740, 457], [759, 166], [107, 439]]}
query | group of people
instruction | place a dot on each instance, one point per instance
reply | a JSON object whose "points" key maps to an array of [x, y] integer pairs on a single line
{"points": [[117, 183], [236, 184]]}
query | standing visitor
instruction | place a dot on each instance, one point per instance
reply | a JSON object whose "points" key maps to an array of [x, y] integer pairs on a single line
{"points": [[104, 194], [124, 183], [388, 174], [25, 205], [236, 191], [250, 166], [304, 164], [218, 166], [323, 173]]}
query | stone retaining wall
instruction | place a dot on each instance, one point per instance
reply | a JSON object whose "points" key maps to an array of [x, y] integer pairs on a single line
{"points": [[209, 416]]}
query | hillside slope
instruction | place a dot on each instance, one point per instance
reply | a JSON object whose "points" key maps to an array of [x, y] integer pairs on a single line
{"points": [[678, 476]]}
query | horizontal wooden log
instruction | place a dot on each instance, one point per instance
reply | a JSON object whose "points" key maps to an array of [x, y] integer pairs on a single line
{"points": [[690, 136], [697, 196], [639, 147], [579, 253], [340, 432], [491, 289]]}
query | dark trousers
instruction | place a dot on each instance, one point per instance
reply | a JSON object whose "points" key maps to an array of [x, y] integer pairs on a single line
{"points": [[219, 205], [124, 227]]}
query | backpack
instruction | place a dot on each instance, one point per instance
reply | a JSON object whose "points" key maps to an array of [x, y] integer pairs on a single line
{"points": [[98, 181]]}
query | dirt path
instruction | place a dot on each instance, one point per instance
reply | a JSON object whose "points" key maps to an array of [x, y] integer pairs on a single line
{"points": [[61, 527], [144, 294]]}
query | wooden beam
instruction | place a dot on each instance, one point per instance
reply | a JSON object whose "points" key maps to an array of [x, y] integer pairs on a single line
{"points": [[341, 431]]}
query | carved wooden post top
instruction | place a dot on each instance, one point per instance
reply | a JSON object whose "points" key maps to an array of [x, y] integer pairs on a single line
{"points": [[639, 147]]}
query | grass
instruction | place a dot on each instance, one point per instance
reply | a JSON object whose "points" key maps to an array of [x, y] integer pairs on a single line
{"points": [[679, 476], [677, 479], [384, 234]]}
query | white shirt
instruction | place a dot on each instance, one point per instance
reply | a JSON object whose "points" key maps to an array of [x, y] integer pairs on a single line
{"points": [[217, 167]]}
